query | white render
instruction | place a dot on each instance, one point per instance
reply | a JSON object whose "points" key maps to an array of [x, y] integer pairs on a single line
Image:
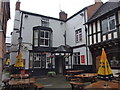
{"points": [[58, 27]]}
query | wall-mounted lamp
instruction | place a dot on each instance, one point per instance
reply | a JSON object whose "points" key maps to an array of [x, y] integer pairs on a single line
{"points": [[81, 14]]}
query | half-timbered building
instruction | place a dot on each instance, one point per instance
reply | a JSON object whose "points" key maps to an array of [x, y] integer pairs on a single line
{"points": [[104, 32]]}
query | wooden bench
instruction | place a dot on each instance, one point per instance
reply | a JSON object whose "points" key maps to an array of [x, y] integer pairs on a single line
{"points": [[38, 86], [69, 77], [79, 85]]}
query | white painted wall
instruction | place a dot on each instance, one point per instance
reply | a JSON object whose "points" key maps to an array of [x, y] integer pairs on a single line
{"points": [[17, 19], [58, 28], [32, 21], [28, 23], [72, 25], [27, 28]]}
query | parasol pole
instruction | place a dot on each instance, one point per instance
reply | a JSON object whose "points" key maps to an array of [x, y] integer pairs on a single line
{"points": [[106, 83]]}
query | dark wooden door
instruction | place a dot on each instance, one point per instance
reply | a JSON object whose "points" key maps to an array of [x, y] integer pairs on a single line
{"points": [[59, 64]]}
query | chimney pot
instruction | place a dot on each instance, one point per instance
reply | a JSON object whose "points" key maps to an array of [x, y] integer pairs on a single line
{"points": [[62, 15], [97, 1], [18, 5]]}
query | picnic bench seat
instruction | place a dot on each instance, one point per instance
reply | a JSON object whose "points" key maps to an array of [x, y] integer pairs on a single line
{"points": [[79, 85], [38, 86], [69, 77]]}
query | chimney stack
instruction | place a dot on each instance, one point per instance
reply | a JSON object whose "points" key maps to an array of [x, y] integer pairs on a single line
{"points": [[18, 5], [98, 1], [62, 15]]}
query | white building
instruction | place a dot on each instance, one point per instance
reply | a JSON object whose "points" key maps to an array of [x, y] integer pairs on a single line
{"points": [[51, 43]]}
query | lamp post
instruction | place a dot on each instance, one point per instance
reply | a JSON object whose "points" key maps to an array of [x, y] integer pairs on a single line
{"points": [[19, 41], [20, 38]]}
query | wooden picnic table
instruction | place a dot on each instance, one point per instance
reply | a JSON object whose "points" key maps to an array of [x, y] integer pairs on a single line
{"points": [[16, 76], [73, 72], [86, 75], [101, 85], [22, 81]]}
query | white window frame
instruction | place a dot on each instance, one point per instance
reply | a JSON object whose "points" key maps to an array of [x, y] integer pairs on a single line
{"points": [[37, 60], [77, 59], [36, 38], [78, 35], [44, 38], [109, 19]]}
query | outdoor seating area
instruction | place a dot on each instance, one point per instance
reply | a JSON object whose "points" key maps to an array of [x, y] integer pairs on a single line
{"points": [[78, 81], [73, 80], [21, 82]]}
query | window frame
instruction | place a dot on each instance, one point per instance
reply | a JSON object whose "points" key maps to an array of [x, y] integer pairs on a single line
{"points": [[78, 35], [37, 38], [76, 58], [44, 38], [107, 21]]}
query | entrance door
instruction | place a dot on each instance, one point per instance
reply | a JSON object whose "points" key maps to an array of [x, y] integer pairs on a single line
{"points": [[97, 63], [59, 64]]}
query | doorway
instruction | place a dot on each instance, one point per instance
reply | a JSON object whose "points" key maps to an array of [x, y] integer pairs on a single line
{"points": [[59, 64], [97, 63]]}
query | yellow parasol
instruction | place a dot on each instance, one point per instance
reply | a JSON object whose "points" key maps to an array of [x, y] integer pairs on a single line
{"points": [[104, 71], [7, 62], [19, 62]]}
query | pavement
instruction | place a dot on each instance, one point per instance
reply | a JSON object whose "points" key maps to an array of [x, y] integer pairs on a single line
{"points": [[54, 82]]}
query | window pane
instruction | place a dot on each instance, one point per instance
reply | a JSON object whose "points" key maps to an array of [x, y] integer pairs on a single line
{"points": [[112, 24], [78, 59], [76, 38], [42, 34], [78, 35], [46, 34], [35, 34], [36, 63], [104, 25], [35, 42], [46, 42], [41, 41]]}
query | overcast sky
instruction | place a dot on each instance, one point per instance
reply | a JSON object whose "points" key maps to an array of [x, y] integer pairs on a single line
{"points": [[48, 8]]}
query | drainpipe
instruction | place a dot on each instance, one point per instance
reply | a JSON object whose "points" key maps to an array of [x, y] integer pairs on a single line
{"points": [[86, 37], [20, 33]]}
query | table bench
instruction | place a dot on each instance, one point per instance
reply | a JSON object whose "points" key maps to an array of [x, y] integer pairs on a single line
{"points": [[79, 85], [38, 86], [71, 78]]}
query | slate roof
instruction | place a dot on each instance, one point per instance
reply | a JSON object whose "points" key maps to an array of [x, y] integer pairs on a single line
{"points": [[105, 8], [63, 49]]}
